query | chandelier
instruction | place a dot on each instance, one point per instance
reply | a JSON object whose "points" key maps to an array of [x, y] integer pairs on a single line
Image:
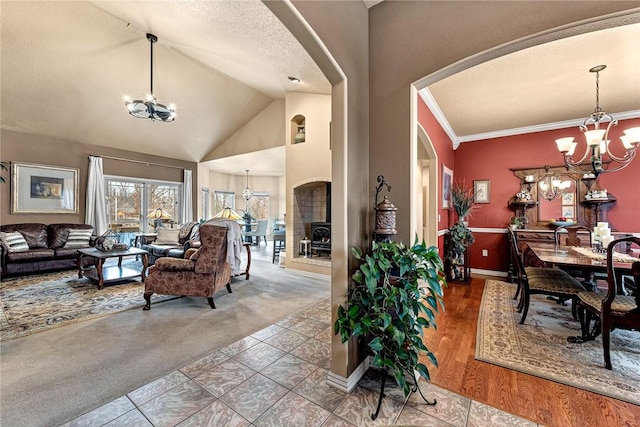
{"points": [[247, 193], [150, 108], [598, 143]]}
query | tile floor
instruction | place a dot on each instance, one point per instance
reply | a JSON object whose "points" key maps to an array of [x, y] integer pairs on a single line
{"points": [[277, 377]]}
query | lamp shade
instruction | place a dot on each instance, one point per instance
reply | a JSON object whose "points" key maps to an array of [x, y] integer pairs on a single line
{"points": [[159, 213], [228, 213]]}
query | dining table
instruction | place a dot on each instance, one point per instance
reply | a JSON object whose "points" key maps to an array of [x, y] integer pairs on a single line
{"points": [[584, 259]]}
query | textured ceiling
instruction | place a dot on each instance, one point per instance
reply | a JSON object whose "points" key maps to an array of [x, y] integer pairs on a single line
{"points": [[545, 84], [66, 66]]}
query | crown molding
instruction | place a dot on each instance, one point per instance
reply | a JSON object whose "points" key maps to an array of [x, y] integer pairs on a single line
{"points": [[456, 140]]}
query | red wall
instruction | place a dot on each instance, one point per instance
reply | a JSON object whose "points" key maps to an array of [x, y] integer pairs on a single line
{"points": [[491, 159], [444, 149]]}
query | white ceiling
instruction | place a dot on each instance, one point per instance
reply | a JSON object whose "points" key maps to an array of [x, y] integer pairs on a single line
{"points": [[66, 66], [545, 84]]}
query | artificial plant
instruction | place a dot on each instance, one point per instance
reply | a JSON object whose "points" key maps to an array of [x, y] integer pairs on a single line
{"points": [[462, 199], [394, 297]]}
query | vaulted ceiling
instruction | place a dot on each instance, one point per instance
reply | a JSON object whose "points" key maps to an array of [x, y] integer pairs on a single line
{"points": [[66, 66]]}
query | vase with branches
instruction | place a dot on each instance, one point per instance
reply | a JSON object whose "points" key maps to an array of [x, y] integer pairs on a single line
{"points": [[462, 200], [459, 236]]}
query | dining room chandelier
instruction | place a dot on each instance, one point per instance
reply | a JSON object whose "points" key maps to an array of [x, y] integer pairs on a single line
{"points": [[598, 152], [149, 107], [247, 193]]}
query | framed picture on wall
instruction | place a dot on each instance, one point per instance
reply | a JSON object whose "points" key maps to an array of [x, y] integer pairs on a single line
{"points": [[568, 212], [482, 191], [43, 189], [568, 199], [447, 180]]}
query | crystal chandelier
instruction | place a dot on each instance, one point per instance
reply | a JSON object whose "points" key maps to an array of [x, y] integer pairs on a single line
{"points": [[150, 108], [598, 152], [247, 193]]}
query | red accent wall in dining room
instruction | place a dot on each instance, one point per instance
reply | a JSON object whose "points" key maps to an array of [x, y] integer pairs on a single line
{"points": [[491, 159], [443, 146]]}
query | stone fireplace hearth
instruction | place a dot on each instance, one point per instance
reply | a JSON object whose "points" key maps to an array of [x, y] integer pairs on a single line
{"points": [[312, 205]]}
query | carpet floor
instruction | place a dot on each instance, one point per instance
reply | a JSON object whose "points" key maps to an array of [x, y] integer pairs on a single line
{"points": [[36, 303], [89, 363], [540, 347]]}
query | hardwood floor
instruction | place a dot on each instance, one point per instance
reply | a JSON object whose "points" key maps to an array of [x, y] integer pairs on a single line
{"points": [[543, 401]]}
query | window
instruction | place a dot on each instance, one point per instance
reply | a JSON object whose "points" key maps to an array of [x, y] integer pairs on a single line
{"points": [[204, 199], [259, 205], [223, 199], [131, 200]]}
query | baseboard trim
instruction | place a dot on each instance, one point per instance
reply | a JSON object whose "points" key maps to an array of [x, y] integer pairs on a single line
{"points": [[489, 272], [349, 383]]}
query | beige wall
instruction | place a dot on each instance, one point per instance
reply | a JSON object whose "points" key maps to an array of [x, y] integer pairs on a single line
{"points": [[308, 161], [17, 146], [411, 40], [266, 130], [336, 36]]}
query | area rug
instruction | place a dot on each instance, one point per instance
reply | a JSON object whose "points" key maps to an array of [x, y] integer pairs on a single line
{"points": [[540, 347], [36, 303]]}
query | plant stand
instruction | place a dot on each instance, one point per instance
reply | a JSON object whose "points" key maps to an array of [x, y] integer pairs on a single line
{"points": [[458, 270], [383, 380]]}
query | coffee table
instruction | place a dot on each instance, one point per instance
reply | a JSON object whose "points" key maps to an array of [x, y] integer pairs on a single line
{"points": [[103, 274]]}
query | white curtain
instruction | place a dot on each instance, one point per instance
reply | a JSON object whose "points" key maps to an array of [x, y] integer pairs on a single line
{"points": [[187, 201], [96, 209]]}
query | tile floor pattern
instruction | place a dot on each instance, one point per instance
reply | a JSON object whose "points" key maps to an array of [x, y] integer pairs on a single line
{"points": [[277, 377]]}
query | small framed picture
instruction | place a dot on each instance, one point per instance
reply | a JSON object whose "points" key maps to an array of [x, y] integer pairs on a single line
{"points": [[482, 191], [447, 181], [568, 212], [568, 199]]}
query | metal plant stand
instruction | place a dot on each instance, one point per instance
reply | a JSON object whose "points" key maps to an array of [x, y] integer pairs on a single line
{"points": [[415, 388]]}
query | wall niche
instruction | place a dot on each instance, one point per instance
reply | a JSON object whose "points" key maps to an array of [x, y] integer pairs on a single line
{"points": [[298, 129]]}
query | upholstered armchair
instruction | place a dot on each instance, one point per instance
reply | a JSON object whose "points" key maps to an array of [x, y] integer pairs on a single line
{"points": [[201, 273]]}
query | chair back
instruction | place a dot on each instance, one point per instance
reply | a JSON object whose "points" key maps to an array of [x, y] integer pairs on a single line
{"points": [[213, 250], [261, 230], [614, 277], [577, 235]]}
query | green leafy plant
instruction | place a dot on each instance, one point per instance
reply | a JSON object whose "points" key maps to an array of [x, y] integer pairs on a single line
{"points": [[461, 199], [517, 222], [460, 238], [394, 297]]}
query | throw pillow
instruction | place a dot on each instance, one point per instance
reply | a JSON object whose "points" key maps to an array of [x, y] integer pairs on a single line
{"points": [[167, 236], [78, 238], [15, 241]]}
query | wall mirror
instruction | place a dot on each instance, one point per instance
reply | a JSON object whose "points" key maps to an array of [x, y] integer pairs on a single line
{"points": [[557, 197], [553, 192]]}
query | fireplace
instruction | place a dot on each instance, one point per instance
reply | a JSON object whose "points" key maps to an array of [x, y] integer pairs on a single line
{"points": [[321, 238]]}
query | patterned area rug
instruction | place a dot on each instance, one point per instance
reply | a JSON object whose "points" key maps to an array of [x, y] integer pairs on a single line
{"points": [[540, 347], [36, 303]]}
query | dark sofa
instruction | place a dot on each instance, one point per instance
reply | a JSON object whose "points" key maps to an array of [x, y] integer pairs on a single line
{"points": [[46, 249], [188, 237]]}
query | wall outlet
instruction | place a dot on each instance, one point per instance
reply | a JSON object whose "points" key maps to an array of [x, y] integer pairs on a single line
{"points": [[485, 252]]}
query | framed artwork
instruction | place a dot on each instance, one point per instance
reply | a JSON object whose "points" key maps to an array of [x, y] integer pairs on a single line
{"points": [[568, 199], [481, 191], [447, 180], [43, 189], [568, 212]]}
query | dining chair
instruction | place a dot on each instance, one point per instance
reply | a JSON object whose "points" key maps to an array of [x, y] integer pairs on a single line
{"points": [[576, 235], [279, 242], [614, 310], [260, 231], [550, 281]]}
